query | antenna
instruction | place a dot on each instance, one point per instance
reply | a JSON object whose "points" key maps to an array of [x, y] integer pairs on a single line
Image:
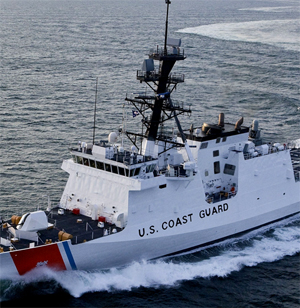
{"points": [[124, 122], [94, 128], [168, 2]]}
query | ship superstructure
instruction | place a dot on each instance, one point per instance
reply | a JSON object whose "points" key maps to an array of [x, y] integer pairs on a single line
{"points": [[165, 194]]}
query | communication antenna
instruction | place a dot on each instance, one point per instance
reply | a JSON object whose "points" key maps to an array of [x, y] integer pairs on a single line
{"points": [[168, 2], [94, 128]]}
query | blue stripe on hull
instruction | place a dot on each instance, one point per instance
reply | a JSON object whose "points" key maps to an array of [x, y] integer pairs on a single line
{"points": [[69, 255]]}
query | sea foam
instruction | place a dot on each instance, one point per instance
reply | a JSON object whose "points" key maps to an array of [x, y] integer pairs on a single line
{"points": [[280, 33]]}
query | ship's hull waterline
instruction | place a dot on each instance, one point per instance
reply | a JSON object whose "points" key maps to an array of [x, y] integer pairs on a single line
{"points": [[182, 231]]}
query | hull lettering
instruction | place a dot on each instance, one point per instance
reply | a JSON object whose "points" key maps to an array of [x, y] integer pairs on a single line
{"points": [[213, 211]]}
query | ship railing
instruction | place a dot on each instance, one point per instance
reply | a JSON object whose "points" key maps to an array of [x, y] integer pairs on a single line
{"points": [[297, 175], [51, 219], [270, 150], [175, 171], [94, 234], [126, 157], [40, 240], [84, 238], [248, 156], [176, 78], [87, 226], [219, 196], [12, 246], [171, 173], [154, 76], [170, 51], [147, 76]]}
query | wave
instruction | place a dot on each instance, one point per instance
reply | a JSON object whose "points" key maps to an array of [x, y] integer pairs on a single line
{"points": [[280, 33], [267, 244], [296, 143], [270, 9]]}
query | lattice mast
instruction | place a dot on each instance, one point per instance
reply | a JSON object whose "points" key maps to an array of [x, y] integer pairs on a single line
{"points": [[162, 83]]}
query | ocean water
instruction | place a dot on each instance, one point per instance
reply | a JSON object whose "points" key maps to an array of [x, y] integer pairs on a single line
{"points": [[242, 59]]}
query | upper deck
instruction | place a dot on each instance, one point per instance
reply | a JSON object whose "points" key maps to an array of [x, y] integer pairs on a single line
{"points": [[113, 159], [210, 132]]}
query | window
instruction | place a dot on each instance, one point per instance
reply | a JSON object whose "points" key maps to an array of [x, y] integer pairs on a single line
{"points": [[229, 169], [150, 168], [92, 163], [132, 172], [121, 171], [217, 167], [100, 165], [216, 153], [204, 145], [107, 167], [85, 161], [114, 169], [218, 140], [224, 139], [206, 173], [79, 160]]}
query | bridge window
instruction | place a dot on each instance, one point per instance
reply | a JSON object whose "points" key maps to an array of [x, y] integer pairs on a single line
{"points": [[92, 163], [79, 160], [121, 171], [107, 167], [100, 165], [150, 168], [114, 169], [132, 172]]}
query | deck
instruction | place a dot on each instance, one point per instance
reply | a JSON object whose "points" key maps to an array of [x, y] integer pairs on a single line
{"points": [[80, 227]]}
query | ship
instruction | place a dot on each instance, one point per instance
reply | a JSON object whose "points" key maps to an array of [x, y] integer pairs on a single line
{"points": [[166, 193]]}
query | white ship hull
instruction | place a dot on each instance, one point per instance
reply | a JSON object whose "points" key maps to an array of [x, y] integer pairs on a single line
{"points": [[173, 219], [108, 253]]}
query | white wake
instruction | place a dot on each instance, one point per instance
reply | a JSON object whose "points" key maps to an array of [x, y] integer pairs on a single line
{"points": [[280, 33]]}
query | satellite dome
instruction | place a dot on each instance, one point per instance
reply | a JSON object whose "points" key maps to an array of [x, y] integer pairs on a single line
{"points": [[112, 137]]}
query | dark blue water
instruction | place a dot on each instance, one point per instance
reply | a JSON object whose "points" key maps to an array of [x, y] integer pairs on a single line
{"points": [[243, 61]]}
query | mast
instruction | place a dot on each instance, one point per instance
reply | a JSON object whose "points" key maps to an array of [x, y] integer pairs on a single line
{"points": [[162, 82], [95, 106], [167, 61], [166, 28]]}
